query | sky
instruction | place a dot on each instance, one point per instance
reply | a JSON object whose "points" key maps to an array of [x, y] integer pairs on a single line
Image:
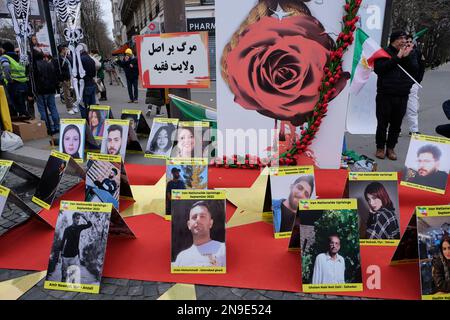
{"points": [[108, 18]]}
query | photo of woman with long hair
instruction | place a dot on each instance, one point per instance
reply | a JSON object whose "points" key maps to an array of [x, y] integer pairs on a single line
{"points": [[185, 143], [161, 142], [382, 222], [96, 122], [441, 266]]}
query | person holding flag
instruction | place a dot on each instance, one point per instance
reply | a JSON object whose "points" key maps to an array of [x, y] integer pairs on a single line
{"points": [[393, 89]]}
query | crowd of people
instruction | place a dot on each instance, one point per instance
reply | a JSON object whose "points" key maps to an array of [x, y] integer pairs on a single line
{"points": [[39, 81]]}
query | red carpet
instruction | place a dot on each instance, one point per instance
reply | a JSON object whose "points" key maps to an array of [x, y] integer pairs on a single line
{"points": [[254, 259]]}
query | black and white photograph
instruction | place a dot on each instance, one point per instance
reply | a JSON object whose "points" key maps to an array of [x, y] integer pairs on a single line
{"points": [[115, 138], [198, 234], [78, 249], [103, 182], [378, 209], [427, 163], [161, 139]]}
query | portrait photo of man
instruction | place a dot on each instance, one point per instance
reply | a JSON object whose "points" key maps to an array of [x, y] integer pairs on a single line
{"points": [[427, 170], [115, 138], [204, 251], [176, 183], [285, 209], [329, 267]]}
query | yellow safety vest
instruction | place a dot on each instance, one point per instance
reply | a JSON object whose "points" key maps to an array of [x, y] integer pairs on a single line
{"points": [[18, 71]]}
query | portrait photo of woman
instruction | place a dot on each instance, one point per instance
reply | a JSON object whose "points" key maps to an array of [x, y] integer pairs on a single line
{"points": [[441, 266], [186, 143], [161, 142], [96, 122], [382, 222], [72, 141]]}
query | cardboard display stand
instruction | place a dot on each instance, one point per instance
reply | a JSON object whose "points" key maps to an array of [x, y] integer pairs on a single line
{"points": [[7, 167], [58, 165], [8, 197], [427, 242], [137, 121], [192, 212]]}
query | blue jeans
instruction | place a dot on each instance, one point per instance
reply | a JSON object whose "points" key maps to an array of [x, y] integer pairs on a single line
{"points": [[17, 92], [89, 98], [132, 85], [48, 101]]}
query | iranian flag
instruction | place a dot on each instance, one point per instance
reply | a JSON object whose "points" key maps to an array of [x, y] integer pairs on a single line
{"points": [[366, 52], [193, 111]]}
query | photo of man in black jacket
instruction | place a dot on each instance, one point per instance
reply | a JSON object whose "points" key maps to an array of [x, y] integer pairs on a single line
{"points": [[393, 89]]}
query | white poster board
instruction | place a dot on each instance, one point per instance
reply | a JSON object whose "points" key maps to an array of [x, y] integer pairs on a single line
{"points": [[174, 60], [327, 146], [361, 117]]}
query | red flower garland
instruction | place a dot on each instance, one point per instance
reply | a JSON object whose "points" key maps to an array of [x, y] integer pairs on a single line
{"points": [[332, 73]]}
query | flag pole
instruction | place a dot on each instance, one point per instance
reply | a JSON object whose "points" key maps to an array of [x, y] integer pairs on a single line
{"points": [[412, 78]]}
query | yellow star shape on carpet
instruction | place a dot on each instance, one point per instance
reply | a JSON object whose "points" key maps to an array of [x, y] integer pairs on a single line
{"points": [[180, 292], [249, 201], [149, 199], [13, 289]]}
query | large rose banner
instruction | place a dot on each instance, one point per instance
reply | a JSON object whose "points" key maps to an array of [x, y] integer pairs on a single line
{"points": [[273, 56]]}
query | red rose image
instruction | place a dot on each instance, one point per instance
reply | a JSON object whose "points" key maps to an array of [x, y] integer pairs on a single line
{"points": [[277, 66]]}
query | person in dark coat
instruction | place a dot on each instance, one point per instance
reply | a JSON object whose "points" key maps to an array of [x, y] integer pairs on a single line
{"points": [[89, 93], [46, 82], [131, 68], [393, 89]]}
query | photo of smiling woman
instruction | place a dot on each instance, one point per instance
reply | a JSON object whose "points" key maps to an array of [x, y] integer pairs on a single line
{"points": [[161, 142], [382, 222], [185, 147], [72, 141]]}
